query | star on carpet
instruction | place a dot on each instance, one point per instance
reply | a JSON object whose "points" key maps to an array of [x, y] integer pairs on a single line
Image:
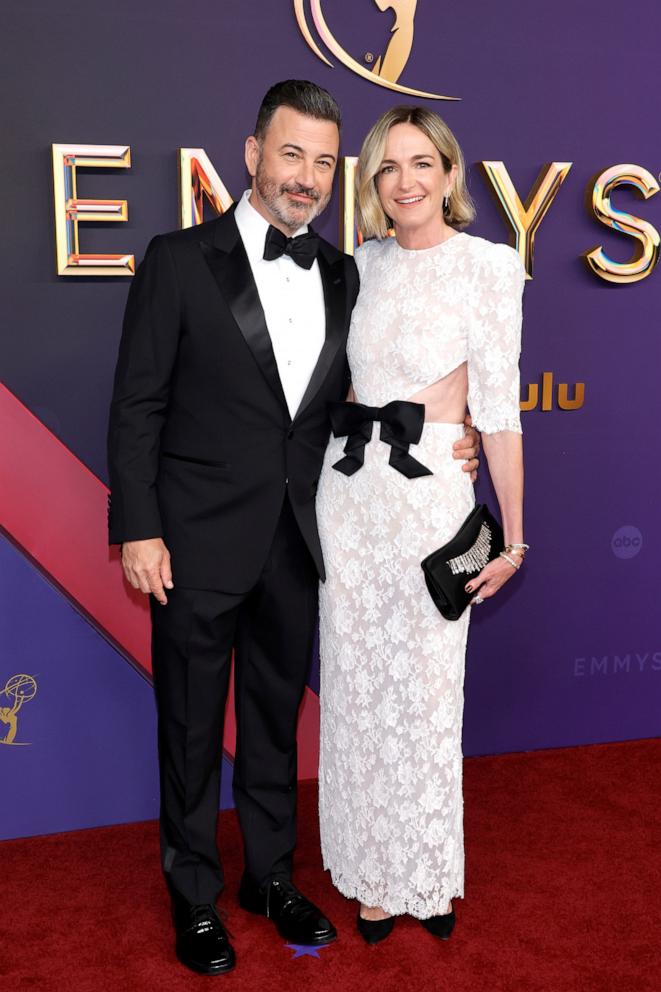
{"points": [[306, 950]]}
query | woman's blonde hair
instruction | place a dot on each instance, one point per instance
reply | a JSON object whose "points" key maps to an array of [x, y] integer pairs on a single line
{"points": [[371, 218]]}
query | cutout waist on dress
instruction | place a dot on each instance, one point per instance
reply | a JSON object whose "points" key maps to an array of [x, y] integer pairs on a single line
{"points": [[426, 397]]}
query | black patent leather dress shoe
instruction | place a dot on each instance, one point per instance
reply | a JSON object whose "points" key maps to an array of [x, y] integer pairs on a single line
{"points": [[440, 926], [297, 919], [374, 931], [202, 942]]}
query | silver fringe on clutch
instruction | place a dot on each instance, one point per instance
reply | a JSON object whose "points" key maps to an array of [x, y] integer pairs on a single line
{"points": [[476, 557]]}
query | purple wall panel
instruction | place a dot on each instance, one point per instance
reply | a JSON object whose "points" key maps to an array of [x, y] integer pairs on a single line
{"points": [[85, 750]]}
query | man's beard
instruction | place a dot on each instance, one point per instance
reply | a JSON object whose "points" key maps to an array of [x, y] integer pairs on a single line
{"points": [[291, 215]]}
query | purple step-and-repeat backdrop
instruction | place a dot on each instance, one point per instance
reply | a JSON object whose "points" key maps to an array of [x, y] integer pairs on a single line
{"points": [[571, 652]]}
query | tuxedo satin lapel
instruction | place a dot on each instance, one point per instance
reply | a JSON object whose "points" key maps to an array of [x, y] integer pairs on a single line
{"points": [[332, 278], [231, 270]]}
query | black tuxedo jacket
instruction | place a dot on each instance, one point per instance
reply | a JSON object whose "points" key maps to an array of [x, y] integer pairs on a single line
{"points": [[201, 446]]}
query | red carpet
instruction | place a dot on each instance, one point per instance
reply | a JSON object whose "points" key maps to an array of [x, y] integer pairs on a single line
{"points": [[563, 894]]}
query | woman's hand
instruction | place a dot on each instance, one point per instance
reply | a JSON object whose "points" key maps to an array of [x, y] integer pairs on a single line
{"points": [[490, 579]]}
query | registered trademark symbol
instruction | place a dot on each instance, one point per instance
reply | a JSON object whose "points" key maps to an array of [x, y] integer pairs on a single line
{"points": [[369, 58]]}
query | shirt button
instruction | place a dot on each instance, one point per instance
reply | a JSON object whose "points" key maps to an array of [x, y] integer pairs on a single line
{"points": [[289, 362], [291, 320]]}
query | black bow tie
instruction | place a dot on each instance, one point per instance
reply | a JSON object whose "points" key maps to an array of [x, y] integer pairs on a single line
{"points": [[303, 249]]}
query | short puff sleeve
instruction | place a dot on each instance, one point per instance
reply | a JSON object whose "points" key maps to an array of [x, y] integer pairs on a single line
{"points": [[494, 341]]}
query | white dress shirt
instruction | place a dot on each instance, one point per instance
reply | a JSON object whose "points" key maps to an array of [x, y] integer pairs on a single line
{"points": [[293, 302]]}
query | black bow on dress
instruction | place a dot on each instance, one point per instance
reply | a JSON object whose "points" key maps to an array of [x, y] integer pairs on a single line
{"points": [[303, 248], [401, 425]]}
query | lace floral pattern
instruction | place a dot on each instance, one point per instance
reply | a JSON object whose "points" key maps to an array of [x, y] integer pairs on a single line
{"points": [[421, 314], [392, 669]]}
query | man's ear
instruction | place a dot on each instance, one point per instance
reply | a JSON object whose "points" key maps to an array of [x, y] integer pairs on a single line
{"points": [[252, 154]]}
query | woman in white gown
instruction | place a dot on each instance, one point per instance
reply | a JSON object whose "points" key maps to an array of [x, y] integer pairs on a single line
{"points": [[437, 323]]}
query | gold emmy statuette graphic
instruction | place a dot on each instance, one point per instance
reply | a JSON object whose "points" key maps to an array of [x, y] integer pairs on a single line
{"points": [[392, 64], [18, 690], [389, 66]]}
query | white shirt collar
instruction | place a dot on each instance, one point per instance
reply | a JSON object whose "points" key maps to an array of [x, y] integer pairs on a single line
{"points": [[253, 227]]}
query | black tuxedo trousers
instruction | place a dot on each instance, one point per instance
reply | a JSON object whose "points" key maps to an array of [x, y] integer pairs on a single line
{"points": [[271, 628], [203, 453]]}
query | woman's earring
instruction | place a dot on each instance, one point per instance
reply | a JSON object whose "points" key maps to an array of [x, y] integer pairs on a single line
{"points": [[446, 203]]}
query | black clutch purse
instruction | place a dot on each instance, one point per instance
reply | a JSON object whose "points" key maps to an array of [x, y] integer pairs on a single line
{"points": [[447, 571]]}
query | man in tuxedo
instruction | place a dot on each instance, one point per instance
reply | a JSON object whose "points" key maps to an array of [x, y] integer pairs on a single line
{"points": [[233, 345]]}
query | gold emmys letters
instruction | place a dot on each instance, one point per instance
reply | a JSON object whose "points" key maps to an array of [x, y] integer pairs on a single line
{"points": [[199, 182], [198, 179], [647, 258], [525, 219], [70, 210]]}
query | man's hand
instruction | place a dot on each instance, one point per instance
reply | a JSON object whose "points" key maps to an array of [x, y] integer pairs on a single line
{"points": [[468, 448], [147, 567]]}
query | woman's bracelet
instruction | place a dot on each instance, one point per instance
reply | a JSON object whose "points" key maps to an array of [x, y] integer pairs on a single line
{"points": [[514, 564], [519, 550]]}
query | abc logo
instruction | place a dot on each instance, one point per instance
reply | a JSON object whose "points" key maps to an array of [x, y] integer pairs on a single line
{"points": [[626, 542]]}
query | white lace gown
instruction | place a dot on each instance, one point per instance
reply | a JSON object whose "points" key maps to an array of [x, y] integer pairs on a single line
{"points": [[392, 669]]}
